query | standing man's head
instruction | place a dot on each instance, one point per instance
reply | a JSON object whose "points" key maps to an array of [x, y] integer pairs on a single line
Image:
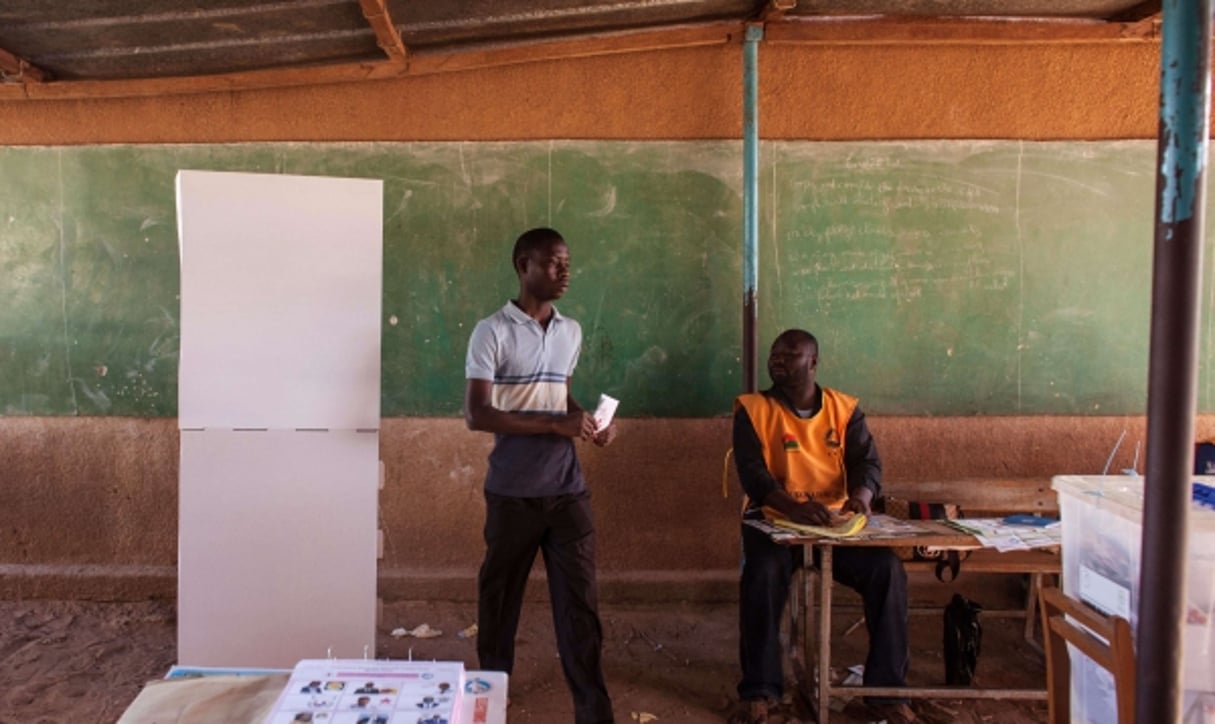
{"points": [[793, 360], [542, 262]]}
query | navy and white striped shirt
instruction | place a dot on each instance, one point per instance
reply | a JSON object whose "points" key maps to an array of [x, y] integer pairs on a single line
{"points": [[530, 367]]}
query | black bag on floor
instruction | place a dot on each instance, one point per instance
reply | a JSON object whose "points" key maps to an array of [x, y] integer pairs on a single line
{"points": [[963, 639]]}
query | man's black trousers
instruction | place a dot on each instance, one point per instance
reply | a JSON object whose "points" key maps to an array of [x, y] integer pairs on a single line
{"points": [[876, 573], [561, 527]]}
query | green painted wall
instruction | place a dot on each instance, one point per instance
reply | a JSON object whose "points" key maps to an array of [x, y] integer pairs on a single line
{"points": [[960, 277]]}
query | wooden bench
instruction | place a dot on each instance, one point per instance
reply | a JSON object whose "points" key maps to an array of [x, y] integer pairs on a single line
{"points": [[987, 498]]}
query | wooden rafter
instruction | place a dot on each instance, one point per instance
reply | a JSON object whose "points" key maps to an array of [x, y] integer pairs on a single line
{"points": [[1143, 11], [774, 10], [18, 68], [238, 81], [416, 64], [386, 33], [684, 36], [970, 31]]}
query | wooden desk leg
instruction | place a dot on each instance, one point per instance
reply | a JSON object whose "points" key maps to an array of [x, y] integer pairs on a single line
{"points": [[797, 622], [806, 623], [1031, 610], [825, 580]]}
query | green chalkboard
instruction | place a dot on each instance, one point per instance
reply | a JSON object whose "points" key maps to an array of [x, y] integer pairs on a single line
{"points": [[977, 277], [961, 277]]}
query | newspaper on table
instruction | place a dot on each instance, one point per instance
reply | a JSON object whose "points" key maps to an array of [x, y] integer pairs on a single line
{"points": [[1003, 535], [363, 691], [998, 533]]}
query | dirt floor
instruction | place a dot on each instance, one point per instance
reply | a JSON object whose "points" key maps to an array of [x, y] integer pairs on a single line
{"points": [[70, 661]]}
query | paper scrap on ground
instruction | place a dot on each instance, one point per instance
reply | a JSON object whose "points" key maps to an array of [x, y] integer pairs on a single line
{"points": [[855, 677], [424, 631], [605, 411]]}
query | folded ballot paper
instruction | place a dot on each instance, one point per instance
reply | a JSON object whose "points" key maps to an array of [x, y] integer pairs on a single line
{"points": [[841, 526], [361, 691], [605, 411]]}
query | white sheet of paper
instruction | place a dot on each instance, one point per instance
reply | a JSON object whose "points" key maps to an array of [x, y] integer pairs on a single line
{"points": [[605, 411]]}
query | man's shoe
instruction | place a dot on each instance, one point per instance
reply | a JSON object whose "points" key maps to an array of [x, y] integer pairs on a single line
{"points": [[751, 711], [892, 713]]}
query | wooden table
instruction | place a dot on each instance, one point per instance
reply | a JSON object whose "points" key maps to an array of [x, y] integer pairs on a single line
{"points": [[931, 534]]}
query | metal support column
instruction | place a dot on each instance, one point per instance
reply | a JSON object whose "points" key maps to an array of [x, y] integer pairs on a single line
{"points": [[754, 34], [1173, 363]]}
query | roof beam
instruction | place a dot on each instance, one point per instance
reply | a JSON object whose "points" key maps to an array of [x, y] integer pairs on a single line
{"points": [[386, 34], [225, 82], [415, 64], [682, 36], [888, 30], [774, 10], [1143, 11], [1143, 18], [18, 68]]}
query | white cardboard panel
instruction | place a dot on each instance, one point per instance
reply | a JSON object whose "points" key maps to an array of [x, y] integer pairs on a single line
{"points": [[276, 546], [280, 300]]}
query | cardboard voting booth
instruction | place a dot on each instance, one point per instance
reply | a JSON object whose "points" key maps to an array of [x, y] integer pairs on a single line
{"points": [[279, 409]]}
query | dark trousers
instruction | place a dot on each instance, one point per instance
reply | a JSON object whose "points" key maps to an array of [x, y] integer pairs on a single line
{"points": [[876, 573], [561, 527]]}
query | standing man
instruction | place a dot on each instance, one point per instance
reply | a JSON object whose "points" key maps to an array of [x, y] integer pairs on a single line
{"points": [[804, 451], [519, 365]]}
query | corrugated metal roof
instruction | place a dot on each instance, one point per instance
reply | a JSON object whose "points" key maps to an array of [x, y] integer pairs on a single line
{"points": [[53, 43]]}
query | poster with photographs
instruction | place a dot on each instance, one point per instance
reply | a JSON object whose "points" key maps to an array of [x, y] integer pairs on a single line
{"points": [[343, 691]]}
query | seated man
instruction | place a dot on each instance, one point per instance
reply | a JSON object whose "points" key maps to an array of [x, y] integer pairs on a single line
{"points": [[804, 451]]}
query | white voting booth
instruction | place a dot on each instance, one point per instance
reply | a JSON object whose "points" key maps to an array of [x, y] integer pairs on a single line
{"points": [[279, 409]]}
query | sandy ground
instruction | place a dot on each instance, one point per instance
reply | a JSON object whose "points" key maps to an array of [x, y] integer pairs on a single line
{"points": [[69, 661]]}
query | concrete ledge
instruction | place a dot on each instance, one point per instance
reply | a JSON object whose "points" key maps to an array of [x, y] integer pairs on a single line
{"points": [[709, 586], [90, 582], [86, 582]]}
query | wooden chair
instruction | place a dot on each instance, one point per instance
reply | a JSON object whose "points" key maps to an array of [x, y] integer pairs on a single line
{"points": [[1116, 653]]}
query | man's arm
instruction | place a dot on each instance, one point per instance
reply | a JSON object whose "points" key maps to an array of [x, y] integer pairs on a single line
{"points": [[862, 463], [757, 480], [480, 414]]}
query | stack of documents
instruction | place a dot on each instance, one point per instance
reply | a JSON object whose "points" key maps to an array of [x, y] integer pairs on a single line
{"points": [[1015, 533]]}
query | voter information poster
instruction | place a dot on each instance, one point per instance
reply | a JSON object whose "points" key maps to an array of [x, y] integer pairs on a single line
{"points": [[339, 691]]}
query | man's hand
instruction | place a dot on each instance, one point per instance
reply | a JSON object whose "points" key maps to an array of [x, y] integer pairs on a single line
{"points": [[810, 512], [604, 437], [577, 424], [858, 502]]}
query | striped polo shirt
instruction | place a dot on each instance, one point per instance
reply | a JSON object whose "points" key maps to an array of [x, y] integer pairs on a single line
{"points": [[530, 369]]}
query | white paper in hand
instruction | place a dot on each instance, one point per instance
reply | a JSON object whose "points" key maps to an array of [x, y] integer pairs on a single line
{"points": [[605, 411]]}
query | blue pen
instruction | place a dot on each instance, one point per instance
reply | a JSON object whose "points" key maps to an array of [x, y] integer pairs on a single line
{"points": [[1039, 521]]}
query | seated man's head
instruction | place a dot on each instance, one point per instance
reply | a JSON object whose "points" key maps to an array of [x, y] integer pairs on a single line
{"points": [[793, 359]]}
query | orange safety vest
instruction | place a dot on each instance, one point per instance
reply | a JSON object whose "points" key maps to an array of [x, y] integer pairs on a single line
{"points": [[806, 456]]}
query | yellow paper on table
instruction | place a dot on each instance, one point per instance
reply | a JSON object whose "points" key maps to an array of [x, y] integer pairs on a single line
{"points": [[842, 528]]}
